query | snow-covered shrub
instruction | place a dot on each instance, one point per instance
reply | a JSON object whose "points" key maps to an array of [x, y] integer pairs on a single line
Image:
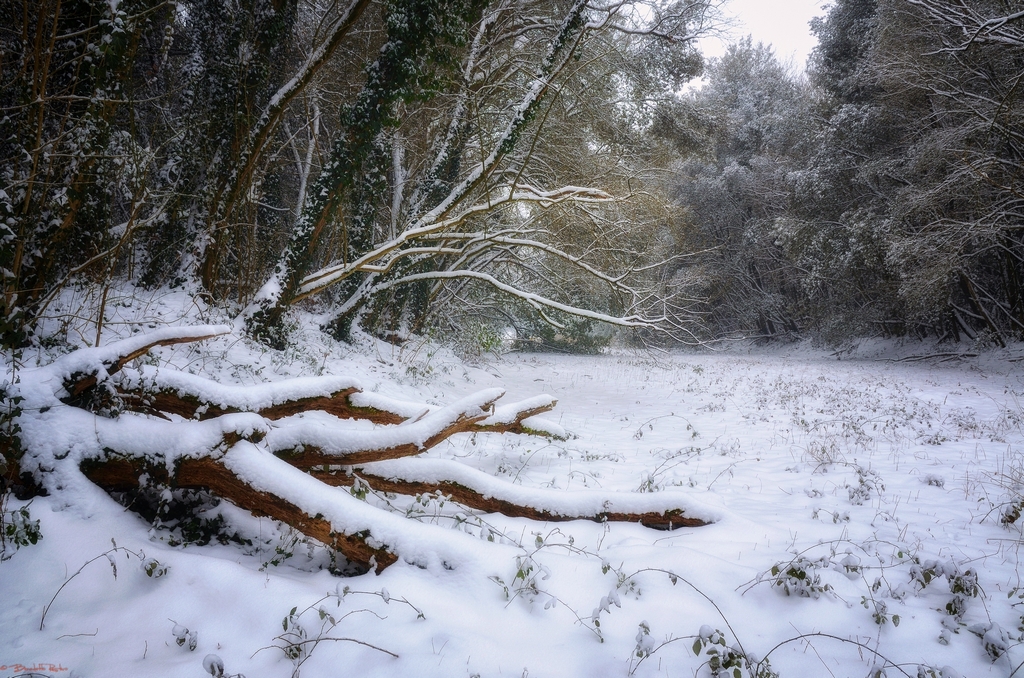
{"points": [[573, 335], [10, 410], [183, 637], [963, 585], [994, 639], [644, 641], [879, 611], [1018, 593], [474, 339], [213, 665], [525, 580], [1011, 512], [1009, 477], [186, 516], [154, 568], [825, 453]]}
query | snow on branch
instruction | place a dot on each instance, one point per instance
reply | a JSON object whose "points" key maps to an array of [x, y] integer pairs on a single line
{"points": [[679, 22], [83, 368], [974, 26], [536, 300], [278, 104], [168, 391], [478, 490], [320, 280], [314, 441]]}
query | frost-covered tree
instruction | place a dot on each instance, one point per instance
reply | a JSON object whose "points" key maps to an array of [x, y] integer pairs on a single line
{"points": [[895, 209], [735, 190], [958, 244], [911, 194], [73, 177]]}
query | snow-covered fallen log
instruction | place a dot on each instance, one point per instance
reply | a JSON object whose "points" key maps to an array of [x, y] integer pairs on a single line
{"points": [[150, 390], [276, 449]]}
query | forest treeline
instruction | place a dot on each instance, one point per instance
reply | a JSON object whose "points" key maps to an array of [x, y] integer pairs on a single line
{"points": [[882, 194], [470, 167]]}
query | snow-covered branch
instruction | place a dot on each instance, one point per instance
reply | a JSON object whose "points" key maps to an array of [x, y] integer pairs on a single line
{"points": [[320, 280]]}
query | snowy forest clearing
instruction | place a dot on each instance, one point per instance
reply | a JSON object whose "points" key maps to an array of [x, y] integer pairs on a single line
{"points": [[862, 511], [233, 239]]}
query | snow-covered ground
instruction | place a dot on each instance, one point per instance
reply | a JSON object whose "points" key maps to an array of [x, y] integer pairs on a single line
{"points": [[862, 523]]}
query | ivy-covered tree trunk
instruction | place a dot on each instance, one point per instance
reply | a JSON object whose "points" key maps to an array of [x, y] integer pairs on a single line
{"points": [[419, 56]]}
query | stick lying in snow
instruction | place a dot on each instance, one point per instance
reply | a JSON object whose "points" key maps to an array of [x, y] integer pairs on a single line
{"points": [[270, 449]]}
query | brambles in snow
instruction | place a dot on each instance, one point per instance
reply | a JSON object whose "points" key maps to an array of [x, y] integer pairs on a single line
{"points": [[963, 585], [154, 568], [1011, 512], [644, 642], [800, 577], [214, 665], [303, 630], [928, 671], [994, 639], [879, 611], [187, 516], [1018, 593], [184, 637], [868, 482], [730, 661], [825, 452], [151, 567], [16, 528]]}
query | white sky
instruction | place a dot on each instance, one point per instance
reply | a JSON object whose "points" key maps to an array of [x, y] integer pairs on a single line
{"points": [[782, 23]]}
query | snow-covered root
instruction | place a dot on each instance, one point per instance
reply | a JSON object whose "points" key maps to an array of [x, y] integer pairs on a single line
{"points": [[478, 490]]}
